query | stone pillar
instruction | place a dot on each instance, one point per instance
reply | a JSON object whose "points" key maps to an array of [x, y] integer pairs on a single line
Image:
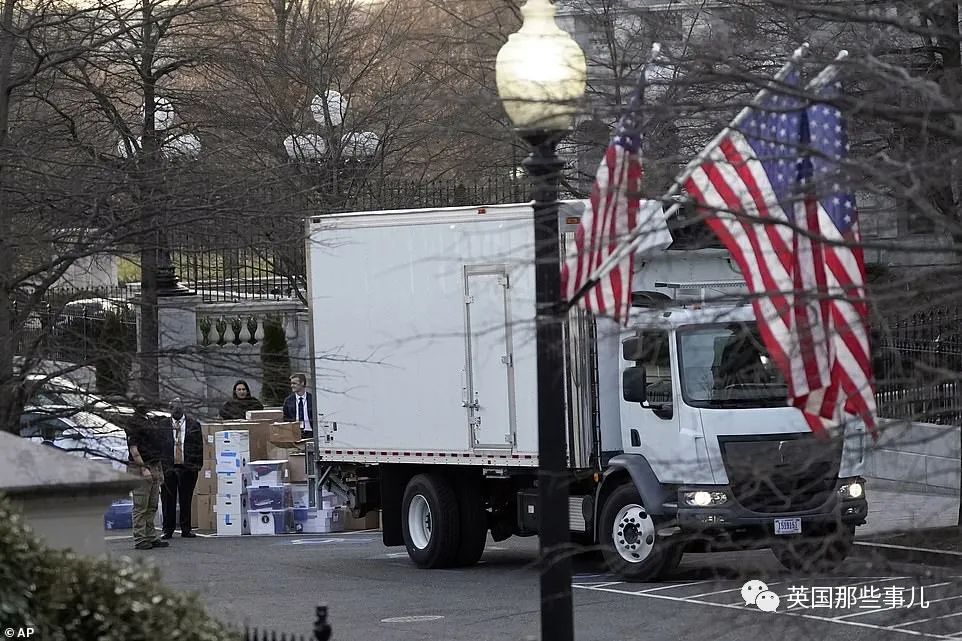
{"points": [[181, 368]]}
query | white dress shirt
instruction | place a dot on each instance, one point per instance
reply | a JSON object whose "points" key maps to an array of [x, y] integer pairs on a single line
{"points": [[180, 427], [306, 423]]}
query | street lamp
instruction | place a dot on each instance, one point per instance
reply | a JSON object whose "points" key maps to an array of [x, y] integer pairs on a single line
{"points": [[541, 75]]}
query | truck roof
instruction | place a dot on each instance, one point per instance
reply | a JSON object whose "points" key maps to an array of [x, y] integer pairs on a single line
{"points": [[676, 316]]}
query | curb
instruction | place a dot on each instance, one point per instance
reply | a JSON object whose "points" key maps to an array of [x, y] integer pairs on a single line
{"points": [[906, 554]]}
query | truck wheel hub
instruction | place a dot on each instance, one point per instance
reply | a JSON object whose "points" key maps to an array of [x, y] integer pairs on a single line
{"points": [[420, 522], [633, 533]]}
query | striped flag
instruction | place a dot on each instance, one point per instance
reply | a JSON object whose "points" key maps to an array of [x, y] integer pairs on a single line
{"points": [[615, 212], [802, 278]]}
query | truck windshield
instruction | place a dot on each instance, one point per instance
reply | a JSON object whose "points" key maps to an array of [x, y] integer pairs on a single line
{"points": [[728, 366]]}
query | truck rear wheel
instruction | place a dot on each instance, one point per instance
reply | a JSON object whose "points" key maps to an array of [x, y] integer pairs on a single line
{"points": [[474, 522], [629, 537], [817, 552], [430, 521]]}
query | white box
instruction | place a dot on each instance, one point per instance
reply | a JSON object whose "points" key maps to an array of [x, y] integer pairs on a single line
{"points": [[235, 504], [268, 473], [235, 484], [230, 524], [236, 441], [330, 500], [322, 522], [231, 462], [271, 522]]}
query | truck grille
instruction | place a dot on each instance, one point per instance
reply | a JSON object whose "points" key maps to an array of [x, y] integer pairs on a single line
{"points": [[783, 473]]}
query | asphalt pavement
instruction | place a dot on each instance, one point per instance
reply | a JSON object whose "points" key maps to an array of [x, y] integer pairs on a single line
{"points": [[375, 593]]}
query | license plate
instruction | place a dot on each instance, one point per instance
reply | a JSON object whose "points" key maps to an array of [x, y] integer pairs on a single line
{"points": [[788, 526]]}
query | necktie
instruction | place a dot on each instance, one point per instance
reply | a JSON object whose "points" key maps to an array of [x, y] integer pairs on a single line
{"points": [[178, 446], [300, 409]]}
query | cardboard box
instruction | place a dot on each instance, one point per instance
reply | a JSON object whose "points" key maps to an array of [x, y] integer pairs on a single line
{"points": [[230, 504], [266, 414], [271, 522], [369, 521], [229, 524], [267, 473], [231, 463], [258, 433], [319, 521], [297, 468], [206, 479], [232, 442], [233, 484], [285, 434], [202, 512], [207, 431]]}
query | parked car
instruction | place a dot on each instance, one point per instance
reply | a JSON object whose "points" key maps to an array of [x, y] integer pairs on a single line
{"points": [[61, 392], [76, 431]]}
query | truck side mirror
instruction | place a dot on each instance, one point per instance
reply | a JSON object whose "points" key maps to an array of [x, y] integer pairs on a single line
{"points": [[631, 349], [633, 386]]}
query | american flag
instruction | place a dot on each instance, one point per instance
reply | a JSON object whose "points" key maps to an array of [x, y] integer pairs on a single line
{"points": [[615, 205], [790, 250]]}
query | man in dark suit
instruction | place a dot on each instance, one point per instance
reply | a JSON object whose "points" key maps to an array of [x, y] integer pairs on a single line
{"points": [[299, 406], [183, 458]]}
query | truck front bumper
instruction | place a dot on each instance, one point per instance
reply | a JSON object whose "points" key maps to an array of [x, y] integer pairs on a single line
{"points": [[732, 526]]}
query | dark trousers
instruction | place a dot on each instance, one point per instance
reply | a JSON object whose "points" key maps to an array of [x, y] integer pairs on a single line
{"points": [[178, 487]]}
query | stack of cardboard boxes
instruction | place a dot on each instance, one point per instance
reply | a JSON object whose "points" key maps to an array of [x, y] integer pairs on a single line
{"points": [[254, 481]]}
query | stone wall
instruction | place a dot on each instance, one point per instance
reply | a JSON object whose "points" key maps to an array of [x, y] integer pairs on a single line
{"points": [[203, 355], [917, 455]]}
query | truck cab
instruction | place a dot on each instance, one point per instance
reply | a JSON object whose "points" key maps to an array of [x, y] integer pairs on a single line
{"points": [[709, 454]]}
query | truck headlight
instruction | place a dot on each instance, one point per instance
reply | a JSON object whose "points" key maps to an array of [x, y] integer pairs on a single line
{"points": [[852, 490], [703, 498]]}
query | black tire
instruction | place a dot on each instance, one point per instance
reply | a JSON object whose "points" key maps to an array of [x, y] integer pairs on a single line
{"points": [[474, 522], [637, 528], [438, 547], [820, 551]]}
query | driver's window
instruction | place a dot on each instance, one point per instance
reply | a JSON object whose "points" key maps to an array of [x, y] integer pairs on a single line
{"points": [[655, 358]]}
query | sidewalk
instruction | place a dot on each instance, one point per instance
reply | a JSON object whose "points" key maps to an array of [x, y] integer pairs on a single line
{"points": [[894, 511], [927, 520]]}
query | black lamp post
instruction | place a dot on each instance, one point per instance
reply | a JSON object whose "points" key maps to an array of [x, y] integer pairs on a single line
{"points": [[541, 74]]}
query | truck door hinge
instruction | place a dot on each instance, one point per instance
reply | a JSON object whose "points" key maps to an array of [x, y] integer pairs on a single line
{"points": [[468, 299], [507, 359], [511, 439], [504, 281]]}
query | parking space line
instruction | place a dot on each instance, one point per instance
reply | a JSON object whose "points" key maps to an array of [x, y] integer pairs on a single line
{"points": [[742, 608], [944, 616], [737, 589], [674, 585]]}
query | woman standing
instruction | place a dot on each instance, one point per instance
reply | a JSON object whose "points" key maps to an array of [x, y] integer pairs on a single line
{"points": [[242, 402]]}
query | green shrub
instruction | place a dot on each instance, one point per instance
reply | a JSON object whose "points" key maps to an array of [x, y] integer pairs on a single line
{"points": [[276, 363], [69, 598]]}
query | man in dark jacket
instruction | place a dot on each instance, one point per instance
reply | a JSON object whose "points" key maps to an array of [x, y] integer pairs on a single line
{"points": [[144, 439], [299, 406], [183, 456]]}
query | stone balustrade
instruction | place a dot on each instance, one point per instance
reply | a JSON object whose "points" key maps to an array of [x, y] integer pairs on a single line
{"points": [[236, 324]]}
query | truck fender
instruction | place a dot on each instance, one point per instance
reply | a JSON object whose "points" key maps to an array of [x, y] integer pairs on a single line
{"points": [[636, 467]]}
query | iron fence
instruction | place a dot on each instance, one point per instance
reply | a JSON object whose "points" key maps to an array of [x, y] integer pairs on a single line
{"points": [[322, 630], [92, 326], [917, 359], [267, 261]]}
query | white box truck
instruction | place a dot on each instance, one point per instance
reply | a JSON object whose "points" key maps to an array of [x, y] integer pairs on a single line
{"points": [[679, 438]]}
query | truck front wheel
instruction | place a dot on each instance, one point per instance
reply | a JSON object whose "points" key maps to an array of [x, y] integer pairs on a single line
{"points": [[430, 521], [629, 537]]}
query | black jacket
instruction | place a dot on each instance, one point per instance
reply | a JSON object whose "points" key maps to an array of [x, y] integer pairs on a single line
{"points": [[154, 438], [290, 408]]}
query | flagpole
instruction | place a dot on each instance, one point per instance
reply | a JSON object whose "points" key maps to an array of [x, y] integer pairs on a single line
{"points": [[634, 238]]}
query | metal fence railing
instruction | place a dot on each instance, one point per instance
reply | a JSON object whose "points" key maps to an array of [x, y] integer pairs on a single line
{"points": [[918, 366], [267, 261]]}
